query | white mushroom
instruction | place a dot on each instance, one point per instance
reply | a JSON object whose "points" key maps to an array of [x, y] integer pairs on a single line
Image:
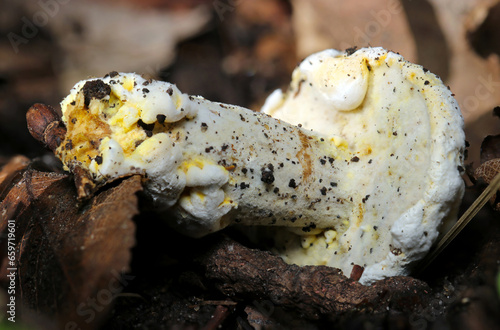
{"points": [[370, 185], [407, 131]]}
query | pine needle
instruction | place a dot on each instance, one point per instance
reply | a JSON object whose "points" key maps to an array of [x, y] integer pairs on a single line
{"points": [[478, 204]]}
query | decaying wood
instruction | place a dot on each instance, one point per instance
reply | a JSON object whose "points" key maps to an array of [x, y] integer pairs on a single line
{"points": [[312, 291]]}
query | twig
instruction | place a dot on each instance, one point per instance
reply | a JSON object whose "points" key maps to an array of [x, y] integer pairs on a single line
{"points": [[311, 290]]}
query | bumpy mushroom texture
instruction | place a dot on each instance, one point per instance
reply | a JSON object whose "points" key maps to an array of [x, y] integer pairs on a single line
{"points": [[210, 164], [367, 179], [403, 130]]}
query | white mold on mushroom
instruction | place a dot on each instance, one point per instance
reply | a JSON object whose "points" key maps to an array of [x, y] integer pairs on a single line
{"points": [[405, 129], [368, 179]]}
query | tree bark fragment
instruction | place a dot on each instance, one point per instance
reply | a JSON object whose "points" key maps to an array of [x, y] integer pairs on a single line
{"points": [[313, 291]]}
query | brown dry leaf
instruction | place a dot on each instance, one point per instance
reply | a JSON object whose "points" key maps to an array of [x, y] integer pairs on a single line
{"points": [[488, 170], [69, 256], [97, 37], [340, 24], [9, 173], [484, 35], [490, 165], [474, 79]]}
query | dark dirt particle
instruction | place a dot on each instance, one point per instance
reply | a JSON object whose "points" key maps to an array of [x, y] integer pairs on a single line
{"points": [[148, 128], [267, 174], [308, 228], [95, 89], [351, 50], [161, 118]]}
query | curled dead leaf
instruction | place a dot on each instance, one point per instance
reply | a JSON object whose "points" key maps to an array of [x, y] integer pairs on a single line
{"points": [[488, 170], [486, 173], [69, 255]]}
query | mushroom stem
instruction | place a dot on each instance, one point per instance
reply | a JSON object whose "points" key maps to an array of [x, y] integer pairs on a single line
{"points": [[211, 164]]}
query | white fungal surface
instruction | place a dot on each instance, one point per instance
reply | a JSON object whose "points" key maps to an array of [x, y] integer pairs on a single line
{"points": [[367, 178], [406, 129]]}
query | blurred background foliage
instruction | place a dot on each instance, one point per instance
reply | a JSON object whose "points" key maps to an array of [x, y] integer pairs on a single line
{"points": [[236, 51]]}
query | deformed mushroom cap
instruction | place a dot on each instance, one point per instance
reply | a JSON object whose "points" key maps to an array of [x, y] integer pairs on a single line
{"points": [[368, 179], [404, 130]]}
